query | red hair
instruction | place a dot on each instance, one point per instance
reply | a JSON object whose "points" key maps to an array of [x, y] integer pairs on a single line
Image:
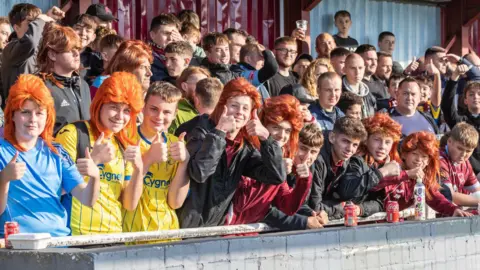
{"points": [[29, 87], [121, 87], [59, 39], [427, 143], [235, 88], [284, 108], [383, 124], [127, 58]]}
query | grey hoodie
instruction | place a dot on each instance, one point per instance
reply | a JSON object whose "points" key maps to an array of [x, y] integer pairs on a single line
{"points": [[20, 56], [369, 103]]}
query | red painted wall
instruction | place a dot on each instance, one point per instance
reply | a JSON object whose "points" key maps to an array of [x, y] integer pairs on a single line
{"points": [[259, 17]]}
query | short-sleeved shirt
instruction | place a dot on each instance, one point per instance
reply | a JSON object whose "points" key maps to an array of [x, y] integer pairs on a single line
{"points": [[34, 200], [153, 212], [106, 215], [415, 123], [348, 43]]}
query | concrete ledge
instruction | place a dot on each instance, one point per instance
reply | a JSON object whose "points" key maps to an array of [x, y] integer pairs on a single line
{"points": [[435, 244]]}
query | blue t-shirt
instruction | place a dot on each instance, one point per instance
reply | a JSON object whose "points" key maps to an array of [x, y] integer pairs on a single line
{"points": [[34, 200]]}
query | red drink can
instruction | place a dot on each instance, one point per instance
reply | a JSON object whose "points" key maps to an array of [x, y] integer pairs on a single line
{"points": [[10, 227], [351, 219], [393, 212]]}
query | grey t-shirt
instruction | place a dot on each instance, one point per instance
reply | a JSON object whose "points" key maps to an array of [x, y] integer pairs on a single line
{"points": [[414, 123]]}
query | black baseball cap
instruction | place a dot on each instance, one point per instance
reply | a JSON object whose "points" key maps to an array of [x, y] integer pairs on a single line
{"points": [[297, 90], [305, 56], [101, 11]]}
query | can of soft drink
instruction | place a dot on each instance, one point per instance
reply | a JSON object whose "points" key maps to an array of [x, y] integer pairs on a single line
{"points": [[351, 219], [10, 227], [393, 212]]}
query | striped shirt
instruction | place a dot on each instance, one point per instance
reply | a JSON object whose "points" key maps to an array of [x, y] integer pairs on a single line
{"points": [[106, 214]]}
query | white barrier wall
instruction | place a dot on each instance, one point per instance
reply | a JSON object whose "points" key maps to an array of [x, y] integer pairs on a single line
{"points": [[437, 244]]}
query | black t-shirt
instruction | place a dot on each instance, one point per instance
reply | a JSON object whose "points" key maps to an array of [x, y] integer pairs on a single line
{"points": [[278, 81], [348, 43]]}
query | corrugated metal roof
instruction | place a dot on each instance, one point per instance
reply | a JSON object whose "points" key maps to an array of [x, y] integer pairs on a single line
{"points": [[416, 26], [44, 5]]}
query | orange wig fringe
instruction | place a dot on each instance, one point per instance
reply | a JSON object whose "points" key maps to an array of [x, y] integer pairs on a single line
{"points": [[284, 108], [128, 56], [29, 87], [382, 123], [121, 87], [235, 88], [427, 143], [58, 39]]}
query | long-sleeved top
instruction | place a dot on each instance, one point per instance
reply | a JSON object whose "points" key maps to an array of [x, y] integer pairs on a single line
{"points": [[20, 56], [369, 102], [350, 180], [458, 176], [159, 70], [216, 166], [452, 117], [71, 97], [401, 188], [220, 71], [252, 199], [325, 119], [258, 77]]}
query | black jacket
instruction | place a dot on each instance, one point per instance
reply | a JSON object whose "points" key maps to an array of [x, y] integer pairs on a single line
{"points": [[92, 63], [220, 71], [191, 124], [452, 117], [352, 182], [393, 112], [71, 97], [212, 183]]}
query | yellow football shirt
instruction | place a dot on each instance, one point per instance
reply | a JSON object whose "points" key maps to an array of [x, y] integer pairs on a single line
{"points": [[106, 215], [153, 212]]}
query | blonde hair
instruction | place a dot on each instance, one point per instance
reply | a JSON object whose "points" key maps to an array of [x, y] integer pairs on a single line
{"points": [[309, 80], [166, 91], [465, 134]]}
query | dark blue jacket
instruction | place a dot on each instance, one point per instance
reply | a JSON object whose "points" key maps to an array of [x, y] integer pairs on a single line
{"points": [[325, 122]]}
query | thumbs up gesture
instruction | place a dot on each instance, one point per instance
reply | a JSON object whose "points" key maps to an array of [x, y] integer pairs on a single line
{"points": [[158, 151], [178, 151], [390, 168], [301, 166], [255, 128], [14, 170], [413, 66], [134, 155], [103, 150], [86, 166], [226, 123]]}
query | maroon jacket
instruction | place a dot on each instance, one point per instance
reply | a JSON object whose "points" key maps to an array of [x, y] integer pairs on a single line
{"points": [[400, 189], [252, 199]]}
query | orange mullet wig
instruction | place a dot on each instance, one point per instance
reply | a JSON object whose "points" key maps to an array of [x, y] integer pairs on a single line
{"points": [[29, 87], [121, 87]]}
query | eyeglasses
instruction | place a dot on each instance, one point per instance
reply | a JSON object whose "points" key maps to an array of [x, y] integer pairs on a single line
{"points": [[285, 51]]}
